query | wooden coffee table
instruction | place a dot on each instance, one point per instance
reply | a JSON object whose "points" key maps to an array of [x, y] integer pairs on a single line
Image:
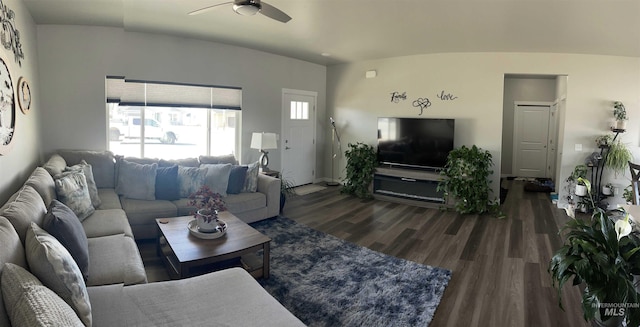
{"points": [[185, 255]]}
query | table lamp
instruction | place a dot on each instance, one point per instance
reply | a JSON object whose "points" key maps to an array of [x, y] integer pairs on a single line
{"points": [[264, 141]]}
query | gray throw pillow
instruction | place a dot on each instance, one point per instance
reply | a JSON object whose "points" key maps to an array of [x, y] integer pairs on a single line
{"points": [[190, 180], [63, 224], [251, 180], [72, 190], [84, 167], [136, 181], [52, 264], [30, 303], [217, 177]]}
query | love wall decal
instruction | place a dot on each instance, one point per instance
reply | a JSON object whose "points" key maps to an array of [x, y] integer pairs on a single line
{"points": [[422, 103]]}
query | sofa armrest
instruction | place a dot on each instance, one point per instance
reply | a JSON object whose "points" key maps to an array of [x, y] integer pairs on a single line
{"points": [[270, 186]]}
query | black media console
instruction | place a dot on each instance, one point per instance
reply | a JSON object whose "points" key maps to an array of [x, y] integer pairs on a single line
{"points": [[408, 186]]}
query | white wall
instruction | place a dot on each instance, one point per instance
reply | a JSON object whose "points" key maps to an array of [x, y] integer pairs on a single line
{"points": [[74, 61], [477, 79], [19, 162]]}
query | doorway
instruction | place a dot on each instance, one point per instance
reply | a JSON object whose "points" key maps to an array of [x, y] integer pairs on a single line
{"points": [[533, 139], [298, 136]]}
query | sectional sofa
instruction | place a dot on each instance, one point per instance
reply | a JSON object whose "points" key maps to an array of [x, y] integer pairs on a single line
{"points": [[42, 283]]}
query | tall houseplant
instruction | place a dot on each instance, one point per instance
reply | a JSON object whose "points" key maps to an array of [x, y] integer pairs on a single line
{"points": [[361, 165], [604, 256], [467, 179]]}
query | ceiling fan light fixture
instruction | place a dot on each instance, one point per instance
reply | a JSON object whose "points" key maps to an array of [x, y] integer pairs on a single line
{"points": [[246, 10]]}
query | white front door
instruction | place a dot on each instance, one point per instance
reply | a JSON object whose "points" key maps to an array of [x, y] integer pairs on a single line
{"points": [[530, 140], [298, 136]]}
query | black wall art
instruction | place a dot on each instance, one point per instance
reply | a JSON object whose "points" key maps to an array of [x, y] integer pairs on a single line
{"points": [[9, 35], [7, 108], [424, 102]]}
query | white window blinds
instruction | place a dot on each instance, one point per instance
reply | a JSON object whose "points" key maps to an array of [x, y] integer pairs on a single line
{"points": [[128, 92]]}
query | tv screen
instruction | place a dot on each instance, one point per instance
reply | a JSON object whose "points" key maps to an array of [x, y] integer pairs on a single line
{"points": [[415, 142]]}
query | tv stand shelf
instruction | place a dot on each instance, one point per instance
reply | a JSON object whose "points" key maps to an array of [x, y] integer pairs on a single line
{"points": [[409, 186]]}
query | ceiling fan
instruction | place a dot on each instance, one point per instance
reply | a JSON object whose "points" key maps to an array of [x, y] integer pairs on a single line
{"points": [[249, 8]]}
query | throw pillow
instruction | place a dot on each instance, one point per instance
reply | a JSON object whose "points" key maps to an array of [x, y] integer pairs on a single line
{"points": [[251, 180], [53, 265], [72, 190], [136, 181], [190, 180], [236, 179], [218, 177], [229, 158], [29, 303], [91, 183], [167, 183], [65, 226]]}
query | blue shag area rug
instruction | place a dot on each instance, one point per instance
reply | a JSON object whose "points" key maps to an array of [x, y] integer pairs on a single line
{"points": [[326, 281]]}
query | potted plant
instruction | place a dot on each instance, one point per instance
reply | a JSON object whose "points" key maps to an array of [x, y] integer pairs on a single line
{"points": [[361, 165], [286, 191], [604, 257], [579, 172], [618, 157], [466, 175], [627, 194], [604, 140], [607, 189], [208, 204], [620, 113]]}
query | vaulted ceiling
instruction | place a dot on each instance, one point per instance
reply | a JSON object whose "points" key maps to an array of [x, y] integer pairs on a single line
{"points": [[337, 31]]}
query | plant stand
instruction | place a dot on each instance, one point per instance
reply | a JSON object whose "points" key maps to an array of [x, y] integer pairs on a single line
{"points": [[597, 171]]}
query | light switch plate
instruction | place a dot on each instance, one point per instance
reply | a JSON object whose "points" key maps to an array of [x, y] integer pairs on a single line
{"points": [[578, 147]]}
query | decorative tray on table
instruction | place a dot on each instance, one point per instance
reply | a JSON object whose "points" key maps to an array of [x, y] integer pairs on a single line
{"points": [[218, 232]]}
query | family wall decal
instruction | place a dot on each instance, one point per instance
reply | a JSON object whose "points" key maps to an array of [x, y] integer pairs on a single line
{"points": [[421, 103]]}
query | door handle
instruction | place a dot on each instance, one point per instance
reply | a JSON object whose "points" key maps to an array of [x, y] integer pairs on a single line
{"points": [[287, 148]]}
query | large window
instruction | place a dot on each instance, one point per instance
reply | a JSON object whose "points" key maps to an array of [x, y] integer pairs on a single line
{"points": [[180, 120]]}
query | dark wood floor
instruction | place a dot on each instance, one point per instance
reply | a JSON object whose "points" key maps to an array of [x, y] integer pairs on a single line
{"points": [[499, 266]]}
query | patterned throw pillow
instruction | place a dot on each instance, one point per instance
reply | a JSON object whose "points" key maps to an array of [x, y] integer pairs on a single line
{"points": [[136, 181], [53, 265], [190, 180], [251, 180], [84, 167], [30, 303], [72, 190], [63, 224]]}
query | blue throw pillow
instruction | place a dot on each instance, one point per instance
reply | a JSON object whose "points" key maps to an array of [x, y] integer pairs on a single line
{"points": [[236, 179], [64, 225], [167, 187]]}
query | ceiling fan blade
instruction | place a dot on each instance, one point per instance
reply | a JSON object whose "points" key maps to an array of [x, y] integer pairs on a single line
{"points": [[274, 13], [205, 9]]}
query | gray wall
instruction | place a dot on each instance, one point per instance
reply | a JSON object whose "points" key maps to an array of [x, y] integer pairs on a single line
{"points": [[19, 162], [521, 89], [74, 61]]}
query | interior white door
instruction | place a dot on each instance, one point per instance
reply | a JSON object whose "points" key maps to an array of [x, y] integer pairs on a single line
{"points": [[298, 136], [531, 138]]}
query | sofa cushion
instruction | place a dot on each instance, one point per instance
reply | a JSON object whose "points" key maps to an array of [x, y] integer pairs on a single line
{"points": [[167, 183], [24, 207], [72, 190], [109, 198], [236, 179], [32, 304], [107, 222], [85, 168], [43, 183], [190, 180], [251, 179], [187, 162], [11, 251], [55, 165], [102, 162], [238, 203], [226, 159], [136, 181], [115, 259], [217, 177], [65, 226], [141, 212], [54, 266]]}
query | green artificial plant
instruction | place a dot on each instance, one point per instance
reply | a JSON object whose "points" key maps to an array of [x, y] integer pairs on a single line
{"points": [[603, 256], [361, 165], [466, 175]]}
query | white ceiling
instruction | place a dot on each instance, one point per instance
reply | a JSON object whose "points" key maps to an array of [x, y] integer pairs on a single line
{"points": [[357, 30]]}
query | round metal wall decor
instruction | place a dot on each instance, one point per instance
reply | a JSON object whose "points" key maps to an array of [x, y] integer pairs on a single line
{"points": [[7, 108], [24, 95]]}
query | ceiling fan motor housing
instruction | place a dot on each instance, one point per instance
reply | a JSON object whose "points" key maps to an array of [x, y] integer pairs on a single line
{"points": [[247, 7]]}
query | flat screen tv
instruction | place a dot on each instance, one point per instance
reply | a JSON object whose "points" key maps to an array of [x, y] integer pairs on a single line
{"points": [[415, 142]]}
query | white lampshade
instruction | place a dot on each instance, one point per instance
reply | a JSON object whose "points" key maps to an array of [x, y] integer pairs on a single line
{"points": [[263, 141], [246, 10]]}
